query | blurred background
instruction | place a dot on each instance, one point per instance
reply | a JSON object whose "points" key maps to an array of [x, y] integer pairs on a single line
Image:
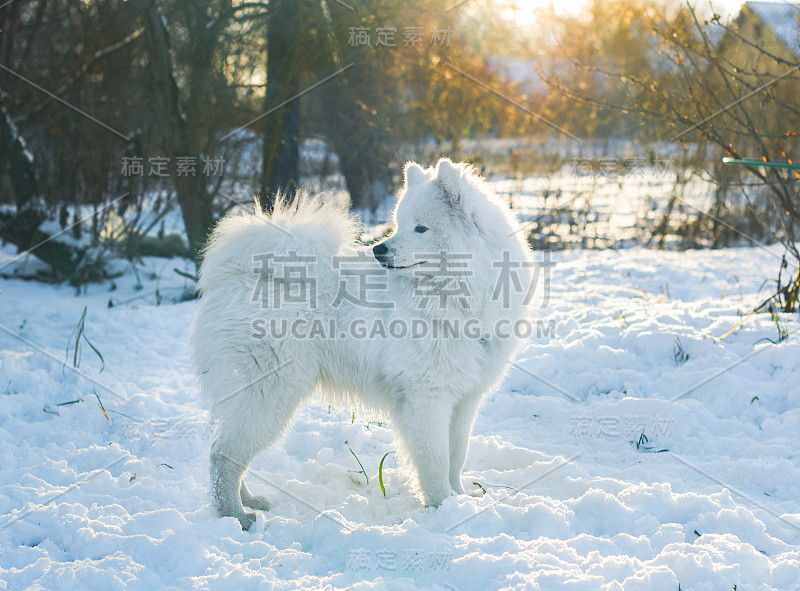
{"points": [[128, 127]]}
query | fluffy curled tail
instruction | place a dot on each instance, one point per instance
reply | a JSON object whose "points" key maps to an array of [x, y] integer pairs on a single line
{"points": [[298, 224]]}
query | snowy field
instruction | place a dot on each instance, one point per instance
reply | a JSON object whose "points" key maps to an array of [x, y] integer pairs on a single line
{"points": [[630, 448]]}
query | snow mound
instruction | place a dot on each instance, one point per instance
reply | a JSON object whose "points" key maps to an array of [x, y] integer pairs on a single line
{"points": [[631, 448]]}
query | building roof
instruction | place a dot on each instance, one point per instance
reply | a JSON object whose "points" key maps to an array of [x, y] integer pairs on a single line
{"points": [[783, 18]]}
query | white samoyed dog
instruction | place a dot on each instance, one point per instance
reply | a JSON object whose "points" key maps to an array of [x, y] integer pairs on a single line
{"points": [[420, 327]]}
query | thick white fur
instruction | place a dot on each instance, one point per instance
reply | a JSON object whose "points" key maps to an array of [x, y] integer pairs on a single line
{"points": [[430, 388]]}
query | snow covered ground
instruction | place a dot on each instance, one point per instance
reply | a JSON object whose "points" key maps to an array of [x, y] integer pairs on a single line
{"points": [[631, 448]]}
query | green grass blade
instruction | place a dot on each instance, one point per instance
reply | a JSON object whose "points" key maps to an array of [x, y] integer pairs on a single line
{"points": [[88, 342], [380, 473], [364, 472]]}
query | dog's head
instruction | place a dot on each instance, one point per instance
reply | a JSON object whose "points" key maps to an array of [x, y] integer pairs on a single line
{"points": [[442, 209]]}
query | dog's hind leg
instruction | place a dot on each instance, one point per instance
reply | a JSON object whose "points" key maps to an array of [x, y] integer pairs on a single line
{"points": [[460, 429], [229, 460], [255, 422]]}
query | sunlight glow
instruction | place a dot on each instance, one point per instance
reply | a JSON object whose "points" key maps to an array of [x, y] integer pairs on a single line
{"points": [[525, 12]]}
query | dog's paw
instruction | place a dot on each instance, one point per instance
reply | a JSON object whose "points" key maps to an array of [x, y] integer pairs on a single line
{"points": [[247, 519], [457, 488], [258, 503], [436, 499]]}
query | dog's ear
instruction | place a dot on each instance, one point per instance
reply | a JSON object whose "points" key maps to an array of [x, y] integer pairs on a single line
{"points": [[449, 177], [413, 174]]}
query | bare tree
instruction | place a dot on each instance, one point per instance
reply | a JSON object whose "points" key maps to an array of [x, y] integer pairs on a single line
{"points": [[717, 85]]}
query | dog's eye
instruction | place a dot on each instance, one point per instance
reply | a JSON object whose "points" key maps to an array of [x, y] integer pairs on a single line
{"points": [[420, 229]]}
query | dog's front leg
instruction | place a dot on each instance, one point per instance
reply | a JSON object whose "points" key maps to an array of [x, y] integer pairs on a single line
{"points": [[423, 426], [460, 429]]}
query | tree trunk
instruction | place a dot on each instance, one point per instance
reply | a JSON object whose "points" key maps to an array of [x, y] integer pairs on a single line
{"points": [[192, 193], [352, 106], [281, 147], [363, 148], [16, 161], [22, 228]]}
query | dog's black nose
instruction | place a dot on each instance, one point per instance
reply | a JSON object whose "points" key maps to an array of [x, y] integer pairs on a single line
{"points": [[380, 250]]}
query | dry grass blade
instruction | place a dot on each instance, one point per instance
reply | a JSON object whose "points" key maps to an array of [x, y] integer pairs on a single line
{"points": [[100, 402], [755, 311], [80, 332]]}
